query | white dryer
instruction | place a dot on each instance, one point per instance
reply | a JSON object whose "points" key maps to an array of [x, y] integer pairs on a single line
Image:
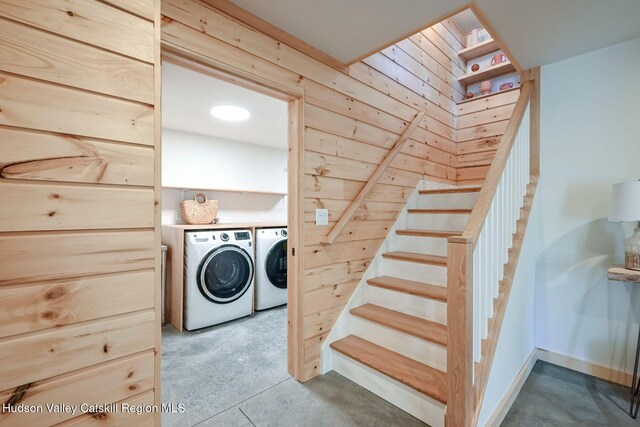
{"points": [[219, 277], [271, 267]]}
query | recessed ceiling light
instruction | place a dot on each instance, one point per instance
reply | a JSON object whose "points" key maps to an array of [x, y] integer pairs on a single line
{"points": [[230, 113]]}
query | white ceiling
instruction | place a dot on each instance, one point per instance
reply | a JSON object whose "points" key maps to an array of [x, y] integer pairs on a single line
{"points": [[537, 32], [188, 95], [466, 21]]}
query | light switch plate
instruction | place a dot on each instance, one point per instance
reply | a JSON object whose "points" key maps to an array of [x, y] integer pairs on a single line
{"points": [[322, 216]]}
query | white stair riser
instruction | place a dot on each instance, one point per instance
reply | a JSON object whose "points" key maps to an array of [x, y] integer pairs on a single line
{"points": [[447, 201], [417, 272], [425, 308], [455, 222], [415, 403], [424, 245], [414, 348]]}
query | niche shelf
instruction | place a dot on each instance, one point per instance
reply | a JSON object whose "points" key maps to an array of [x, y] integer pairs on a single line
{"points": [[479, 49], [489, 72], [227, 190]]}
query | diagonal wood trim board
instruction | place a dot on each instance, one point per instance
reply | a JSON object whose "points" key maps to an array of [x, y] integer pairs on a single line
{"points": [[373, 180], [483, 368]]}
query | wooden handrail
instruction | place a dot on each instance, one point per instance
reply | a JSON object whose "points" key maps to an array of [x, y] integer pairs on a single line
{"points": [[373, 180], [481, 208]]}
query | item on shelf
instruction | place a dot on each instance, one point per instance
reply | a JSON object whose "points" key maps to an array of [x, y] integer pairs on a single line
{"points": [[485, 87], [469, 95], [468, 40], [625, 207], [474, 37], [498, 58], [475, 67], [199, 211], [483, 35], [505, 86]]}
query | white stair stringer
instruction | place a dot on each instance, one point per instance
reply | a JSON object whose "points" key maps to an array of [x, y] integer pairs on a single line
{"points": [[412, 401]]}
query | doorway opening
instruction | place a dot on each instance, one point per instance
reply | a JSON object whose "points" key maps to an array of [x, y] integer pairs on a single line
{"points": [[229, 166]]}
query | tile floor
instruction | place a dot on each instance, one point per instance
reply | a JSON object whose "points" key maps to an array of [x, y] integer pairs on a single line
{"points": [[236, 375], [555, 396]]}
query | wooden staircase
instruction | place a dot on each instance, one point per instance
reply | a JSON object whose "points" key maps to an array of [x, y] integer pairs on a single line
{"points": [[394, 333]]}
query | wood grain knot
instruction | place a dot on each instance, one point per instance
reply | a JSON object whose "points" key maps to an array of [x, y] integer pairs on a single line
{"points": [[133, 387], [105, 348], [50, 314], [98, 415], [54, 196], [70, 13], [52, 213], [55, 293], [130, 374]]}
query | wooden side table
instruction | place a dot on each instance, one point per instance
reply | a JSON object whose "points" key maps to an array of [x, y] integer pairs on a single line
{"points": [[621, 274]]}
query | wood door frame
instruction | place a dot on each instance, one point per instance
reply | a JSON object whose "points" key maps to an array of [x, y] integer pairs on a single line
{"points": [[295, 178]]}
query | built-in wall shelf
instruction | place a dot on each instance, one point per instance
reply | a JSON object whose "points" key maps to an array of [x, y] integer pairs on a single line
{"points": [[475, 98], [227, 190], [487, 73], [479, 49]]}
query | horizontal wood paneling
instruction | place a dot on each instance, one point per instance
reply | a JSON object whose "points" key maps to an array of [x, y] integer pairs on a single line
{"points": [[88, 21], [43, 156], [71, 207], [52, 256], [340, 189], [79, 218], [44, 56], [354, 230], [321, 255], [119, 379], [143, 8], [368, 211], [39, 355], [26, 308], [329, 275], [36, 105], [480, 126]]}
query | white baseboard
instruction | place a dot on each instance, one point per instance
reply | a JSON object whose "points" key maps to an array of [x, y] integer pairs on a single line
{"points": [[505, 404], [589, 368]]}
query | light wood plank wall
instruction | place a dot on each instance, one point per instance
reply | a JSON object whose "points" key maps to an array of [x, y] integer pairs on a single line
{"points": [[79, 217], [480, 126], [350, 122]]}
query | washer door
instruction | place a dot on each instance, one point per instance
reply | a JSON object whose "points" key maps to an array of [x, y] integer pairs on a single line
{"points": [[275, 264], [225, 274]]}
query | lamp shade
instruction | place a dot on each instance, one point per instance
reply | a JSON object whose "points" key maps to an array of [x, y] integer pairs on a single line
{"points": [[625, 202]]}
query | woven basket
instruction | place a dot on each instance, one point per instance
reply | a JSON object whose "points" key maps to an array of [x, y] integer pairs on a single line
{"points": [[200, 210]]}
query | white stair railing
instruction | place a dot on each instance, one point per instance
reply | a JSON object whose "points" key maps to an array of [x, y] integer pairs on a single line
{"points": [[496, 236]]}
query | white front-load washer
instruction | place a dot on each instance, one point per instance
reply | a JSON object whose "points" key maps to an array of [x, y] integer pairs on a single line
{"points": [[219, 277], [271, 267]]}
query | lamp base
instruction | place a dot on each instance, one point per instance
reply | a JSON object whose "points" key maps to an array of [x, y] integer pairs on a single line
{"points": [[632, 251]]}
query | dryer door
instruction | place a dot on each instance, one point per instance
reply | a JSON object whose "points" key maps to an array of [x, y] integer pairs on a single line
{"points": [[225, 274], [275, 264]]}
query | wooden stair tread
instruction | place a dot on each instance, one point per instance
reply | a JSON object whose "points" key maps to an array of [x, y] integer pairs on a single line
{"points": [[450, 190], [439, 211], [428, 233], [416, 375], [415, 257], [424, 329], [420, 289]]}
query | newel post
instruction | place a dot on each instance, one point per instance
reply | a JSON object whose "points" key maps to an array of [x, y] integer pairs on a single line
{"points": [[460, 332]]}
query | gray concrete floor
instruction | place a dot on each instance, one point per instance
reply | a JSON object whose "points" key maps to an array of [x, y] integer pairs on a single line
{"points": [[556, 396], [235, 374]]}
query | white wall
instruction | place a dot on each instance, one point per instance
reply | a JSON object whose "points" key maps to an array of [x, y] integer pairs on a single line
{"points": [[196, 162], [590, 139]]}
